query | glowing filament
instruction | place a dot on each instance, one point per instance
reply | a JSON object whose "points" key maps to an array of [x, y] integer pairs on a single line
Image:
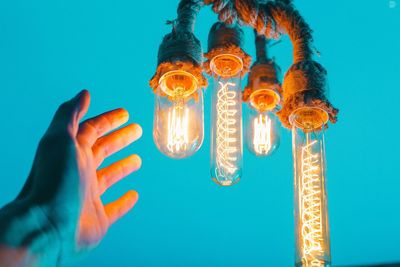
{"points": [[226, 130], [262, 134], [310, 207], [178, 130]]}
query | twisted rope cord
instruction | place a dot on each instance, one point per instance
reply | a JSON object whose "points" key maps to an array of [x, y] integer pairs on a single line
{"points": [[181, 42], [225, 9], [180, 49], [187, 13], [269, 19]]}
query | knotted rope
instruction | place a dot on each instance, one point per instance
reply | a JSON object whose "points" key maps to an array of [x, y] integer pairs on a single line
{"points": [[180, 49]]}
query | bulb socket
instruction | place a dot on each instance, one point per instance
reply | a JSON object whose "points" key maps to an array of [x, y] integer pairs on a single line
{"points": [[263, 89], [309, 118], [305, 86], [179, 51], [225, 53]]}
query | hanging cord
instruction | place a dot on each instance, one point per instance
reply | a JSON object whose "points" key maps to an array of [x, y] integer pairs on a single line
{"points": [[187, 13], [181, 42], [261, 48], [264, 72], [225, 9], [269, 70], [265, 17], [180, 49], [273, 18]]}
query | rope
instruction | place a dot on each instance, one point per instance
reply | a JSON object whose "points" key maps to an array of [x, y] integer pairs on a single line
{"points": [[187, 13], [305, 85], [180, 49], [181, 44], [265, 19], [225, 9]]}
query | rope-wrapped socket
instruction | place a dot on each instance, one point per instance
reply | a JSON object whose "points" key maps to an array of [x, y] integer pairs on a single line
{"points": [[179, 65], [225, 55], [305, 102]]}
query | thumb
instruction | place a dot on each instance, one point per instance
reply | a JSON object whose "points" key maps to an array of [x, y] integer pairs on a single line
{"points": [[68, 114]]}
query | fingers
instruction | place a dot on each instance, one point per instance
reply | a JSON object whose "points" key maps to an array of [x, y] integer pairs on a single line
{"points": [[115, 210], [116, 171], [115, 141], [94, 128], [69, 114]]}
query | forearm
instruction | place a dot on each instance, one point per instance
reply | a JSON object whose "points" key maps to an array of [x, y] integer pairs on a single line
{"points": [[26, 237]]}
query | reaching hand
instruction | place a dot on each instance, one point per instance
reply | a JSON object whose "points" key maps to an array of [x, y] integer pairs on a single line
{"points": [[63, 191]]}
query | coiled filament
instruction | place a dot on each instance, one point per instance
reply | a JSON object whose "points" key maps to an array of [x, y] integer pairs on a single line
{"points": [[310, 206], [226, 142]]}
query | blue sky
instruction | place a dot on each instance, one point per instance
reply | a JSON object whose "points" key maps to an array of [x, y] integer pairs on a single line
{"points": [[49, 50]]}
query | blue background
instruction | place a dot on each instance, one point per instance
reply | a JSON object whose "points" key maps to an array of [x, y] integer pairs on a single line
{"points": [[49, 50]]}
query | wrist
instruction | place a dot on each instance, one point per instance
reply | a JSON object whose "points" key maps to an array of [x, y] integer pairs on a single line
{"points": [[27, 237]]}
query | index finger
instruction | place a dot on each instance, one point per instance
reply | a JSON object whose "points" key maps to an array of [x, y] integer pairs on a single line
{"points": [[94, 128]]}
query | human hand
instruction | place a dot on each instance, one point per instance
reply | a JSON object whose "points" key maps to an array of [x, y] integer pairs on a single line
{"points": [[60, 205]]}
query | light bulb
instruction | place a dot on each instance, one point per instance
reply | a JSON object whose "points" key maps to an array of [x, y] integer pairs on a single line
{"points": [[178, 128], [311, 215], [226, 120], [262, 129]]}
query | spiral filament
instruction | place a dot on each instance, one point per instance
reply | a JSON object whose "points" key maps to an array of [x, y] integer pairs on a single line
{"points": [[226, 146], [262, 134], [311, 206], [178, 128]]}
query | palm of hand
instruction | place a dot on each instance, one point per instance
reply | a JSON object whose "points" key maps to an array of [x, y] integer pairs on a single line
{"points": [[64, 180]]}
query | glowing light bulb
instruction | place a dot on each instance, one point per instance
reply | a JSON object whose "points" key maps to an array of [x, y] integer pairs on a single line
{"points": [[311, 215], [178, 128], [226, 120], [262, 130]]}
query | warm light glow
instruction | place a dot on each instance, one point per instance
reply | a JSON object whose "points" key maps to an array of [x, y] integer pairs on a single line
{"points": [[226, 120], [311, 212], [310, 209], [262, 134], [226, 142], [178, 128]]}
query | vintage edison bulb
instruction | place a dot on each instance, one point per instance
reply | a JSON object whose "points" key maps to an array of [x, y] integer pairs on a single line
{"points": [[311, 215], [262, 128], [226, 120], [178, 128]]}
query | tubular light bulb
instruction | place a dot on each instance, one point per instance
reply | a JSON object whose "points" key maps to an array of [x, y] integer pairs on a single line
{"points": [[262, 131], [226, 120], [178, 129], [311, 215]]}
